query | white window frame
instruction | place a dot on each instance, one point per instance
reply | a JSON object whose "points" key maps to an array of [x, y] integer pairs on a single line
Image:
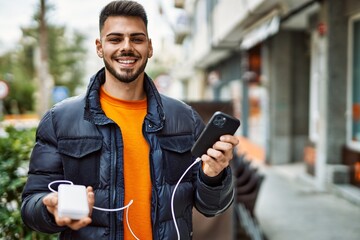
{"points": [[355, 145]]}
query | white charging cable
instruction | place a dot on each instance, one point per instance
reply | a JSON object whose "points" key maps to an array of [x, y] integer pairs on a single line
{"points": [[99, 208], [173, 195], [131, 201]]}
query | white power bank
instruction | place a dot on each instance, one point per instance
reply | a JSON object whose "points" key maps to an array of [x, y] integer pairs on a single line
{"points": [[72, 201]]}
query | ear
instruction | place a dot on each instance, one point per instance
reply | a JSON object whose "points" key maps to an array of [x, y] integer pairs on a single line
{"points": [[150, 50], [99, 49]]}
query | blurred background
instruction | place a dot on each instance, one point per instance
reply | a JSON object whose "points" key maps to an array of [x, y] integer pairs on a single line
{"points": [[288, 69]]}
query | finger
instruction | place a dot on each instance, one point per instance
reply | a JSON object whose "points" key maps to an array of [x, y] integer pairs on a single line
{"points": [[216, 154], [62, 221], [223, 146], [50, 201], [227, 150], [77, 224], [89, 189], [220, 158], [211, 167], [91, 199], [209, 161], [230, 139]]}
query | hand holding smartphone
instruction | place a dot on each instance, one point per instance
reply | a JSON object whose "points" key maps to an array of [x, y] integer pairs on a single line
{"points": [[219, 124]]}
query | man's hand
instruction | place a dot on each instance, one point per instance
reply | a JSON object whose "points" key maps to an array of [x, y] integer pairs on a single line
{"points": [[218, 157], [51, 203]]}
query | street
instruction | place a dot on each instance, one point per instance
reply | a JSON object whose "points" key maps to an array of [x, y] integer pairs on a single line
{"points": [[289, 207]]}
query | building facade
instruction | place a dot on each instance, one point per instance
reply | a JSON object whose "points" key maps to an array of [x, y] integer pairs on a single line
{"points": [[292, 68]]}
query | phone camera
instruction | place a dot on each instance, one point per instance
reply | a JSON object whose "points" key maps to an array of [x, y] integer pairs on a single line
{"points": [[219, 121]]}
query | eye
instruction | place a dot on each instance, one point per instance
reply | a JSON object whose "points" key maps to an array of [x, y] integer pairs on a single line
{"points": [[115, 40], [137, 40]]}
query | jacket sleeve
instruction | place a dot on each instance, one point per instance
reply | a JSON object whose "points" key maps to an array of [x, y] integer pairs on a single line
{"points": [[45, 166], [212, 200]]}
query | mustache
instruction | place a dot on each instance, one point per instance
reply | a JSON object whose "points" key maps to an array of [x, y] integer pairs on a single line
{"points": [[127, 54]]}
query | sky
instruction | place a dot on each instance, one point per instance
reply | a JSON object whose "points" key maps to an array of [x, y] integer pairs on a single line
{"points": [[80, 15]]}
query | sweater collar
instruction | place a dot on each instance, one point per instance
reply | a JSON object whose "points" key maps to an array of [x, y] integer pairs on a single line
{"points": [[154, 119]]}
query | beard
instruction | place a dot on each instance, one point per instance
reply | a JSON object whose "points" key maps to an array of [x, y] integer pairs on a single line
{"points": [[128, 76]]}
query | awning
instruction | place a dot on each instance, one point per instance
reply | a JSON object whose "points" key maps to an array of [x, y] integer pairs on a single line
{"points": [[263, 31], [270, 24]]}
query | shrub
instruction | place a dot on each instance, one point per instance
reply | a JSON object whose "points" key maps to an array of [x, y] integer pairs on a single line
{"points": [[15, 149]]}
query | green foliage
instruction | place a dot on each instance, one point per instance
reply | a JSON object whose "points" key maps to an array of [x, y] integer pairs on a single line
{"points": [[18, 76], [66, 52], [66, 58], [155, 70], [14, 155]]}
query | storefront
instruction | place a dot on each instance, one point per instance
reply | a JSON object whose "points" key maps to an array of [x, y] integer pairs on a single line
{"points": [[351, 152]]}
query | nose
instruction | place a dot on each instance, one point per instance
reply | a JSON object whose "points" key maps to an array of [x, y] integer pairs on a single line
{"points": [[127, 45]]}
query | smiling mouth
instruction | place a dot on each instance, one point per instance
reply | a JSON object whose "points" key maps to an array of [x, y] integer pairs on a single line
{"points": [[128, 61]]}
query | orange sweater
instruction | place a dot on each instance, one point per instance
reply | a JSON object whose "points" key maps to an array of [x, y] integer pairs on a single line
{"points": [[129, 115]]}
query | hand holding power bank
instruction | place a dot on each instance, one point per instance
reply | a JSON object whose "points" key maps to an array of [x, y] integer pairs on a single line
{"points": [[72, 201]]}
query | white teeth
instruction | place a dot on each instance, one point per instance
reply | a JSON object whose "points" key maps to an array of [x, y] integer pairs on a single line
{"points": [[126, 61]]}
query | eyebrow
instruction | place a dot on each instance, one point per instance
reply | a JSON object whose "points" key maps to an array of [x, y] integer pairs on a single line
{"points": [[121, 34]]}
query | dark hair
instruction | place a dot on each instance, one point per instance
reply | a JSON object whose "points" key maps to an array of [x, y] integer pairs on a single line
{"points": [[122, 8]]}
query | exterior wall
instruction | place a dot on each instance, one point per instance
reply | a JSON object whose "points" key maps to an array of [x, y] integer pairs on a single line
{"points": [[200, 32], [226, 18], [266, 70], [195, 86], [300, 88], [289, 94], [337, 72], [280, 98], [352, 7]]}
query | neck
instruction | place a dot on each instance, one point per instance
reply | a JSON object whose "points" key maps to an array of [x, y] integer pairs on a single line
{"points": [[127, 91]]}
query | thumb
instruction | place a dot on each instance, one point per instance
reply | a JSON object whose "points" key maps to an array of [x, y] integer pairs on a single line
{"points": [[50, 200]]}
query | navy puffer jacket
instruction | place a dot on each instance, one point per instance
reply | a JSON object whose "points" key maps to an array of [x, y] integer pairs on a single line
{"points": [[77, 142]]}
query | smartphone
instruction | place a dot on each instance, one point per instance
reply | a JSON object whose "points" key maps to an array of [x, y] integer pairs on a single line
{"points": [[218, 125]]}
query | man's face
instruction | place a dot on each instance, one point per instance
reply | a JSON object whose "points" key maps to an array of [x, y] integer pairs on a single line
{"points": [[125, 47]]}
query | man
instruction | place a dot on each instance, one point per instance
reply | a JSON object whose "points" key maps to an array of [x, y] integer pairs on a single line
{"points": [[125, 142]]}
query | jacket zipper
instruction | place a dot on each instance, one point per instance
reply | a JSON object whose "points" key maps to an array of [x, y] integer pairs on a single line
{"points": [[153, 189], [113, 234], [154, 195]]}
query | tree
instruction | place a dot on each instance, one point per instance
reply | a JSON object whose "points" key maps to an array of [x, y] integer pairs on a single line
{"points": [[18, 72], [64, 58]]}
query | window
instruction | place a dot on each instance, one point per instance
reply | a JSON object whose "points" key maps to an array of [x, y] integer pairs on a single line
{"points": [[354, 84]]}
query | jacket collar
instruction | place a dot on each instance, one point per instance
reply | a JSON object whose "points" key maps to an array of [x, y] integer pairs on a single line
{"points": [[155, 118]]}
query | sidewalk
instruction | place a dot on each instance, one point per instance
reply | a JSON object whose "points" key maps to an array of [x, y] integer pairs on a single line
{"points": [[289, 207]]}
